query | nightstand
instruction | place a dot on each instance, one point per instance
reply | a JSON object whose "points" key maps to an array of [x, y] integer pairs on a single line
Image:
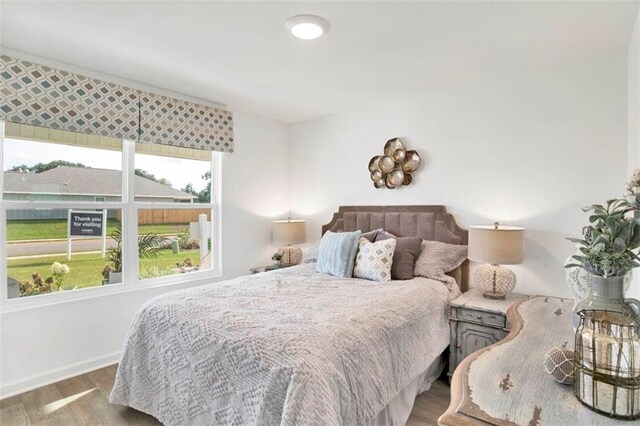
{"points": [[477, 322], [267, 268]]}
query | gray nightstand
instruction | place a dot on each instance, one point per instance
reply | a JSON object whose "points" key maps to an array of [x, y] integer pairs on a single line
{"points": [[477, 322], [267, 268]]}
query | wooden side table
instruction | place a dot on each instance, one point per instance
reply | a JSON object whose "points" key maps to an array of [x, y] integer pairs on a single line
{"points": [[477, 322], [506, 384]]}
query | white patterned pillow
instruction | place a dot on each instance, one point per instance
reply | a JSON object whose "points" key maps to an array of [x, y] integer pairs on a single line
{"points": [[373, 261]]}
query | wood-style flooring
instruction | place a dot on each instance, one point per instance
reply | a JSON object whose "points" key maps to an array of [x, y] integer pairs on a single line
{"points": [[84, 400]]}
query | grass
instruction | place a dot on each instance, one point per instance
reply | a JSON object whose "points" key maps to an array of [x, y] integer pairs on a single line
{"points": [[47, 229], [85, 270]]}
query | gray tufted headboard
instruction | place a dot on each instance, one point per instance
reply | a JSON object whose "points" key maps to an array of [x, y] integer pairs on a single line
{"points": [[427, 222]]}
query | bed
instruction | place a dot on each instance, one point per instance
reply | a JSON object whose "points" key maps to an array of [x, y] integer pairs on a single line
{"points": [[292, 346]]}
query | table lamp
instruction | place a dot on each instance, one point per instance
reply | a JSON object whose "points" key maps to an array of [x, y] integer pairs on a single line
{"points": [[285, 233], [497, 245]]}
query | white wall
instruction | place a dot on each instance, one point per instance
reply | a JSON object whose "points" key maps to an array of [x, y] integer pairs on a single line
{"points": [[522, 146], [46, 344], [633, 121]]}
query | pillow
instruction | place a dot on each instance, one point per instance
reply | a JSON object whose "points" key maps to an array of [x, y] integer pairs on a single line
{"points": [[404, 259], [439, 258], [373, 261], [337, 253], [372, 235], [311, 253]]}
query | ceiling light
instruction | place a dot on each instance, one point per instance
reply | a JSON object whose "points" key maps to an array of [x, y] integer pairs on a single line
{"points": [[307, 27]]}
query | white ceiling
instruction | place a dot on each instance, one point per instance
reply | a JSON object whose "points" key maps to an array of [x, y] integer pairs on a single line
{"points": [[239, 54]]}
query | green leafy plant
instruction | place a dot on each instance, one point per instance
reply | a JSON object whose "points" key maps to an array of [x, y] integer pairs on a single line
{"points": [[633, 190], [607, 243], [148, 247]]}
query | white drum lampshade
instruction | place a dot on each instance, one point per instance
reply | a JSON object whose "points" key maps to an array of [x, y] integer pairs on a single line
{"points": [[286, 233], [497, 245]]}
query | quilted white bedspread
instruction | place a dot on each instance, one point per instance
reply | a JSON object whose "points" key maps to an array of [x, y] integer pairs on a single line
{"points": [[290, 347]]}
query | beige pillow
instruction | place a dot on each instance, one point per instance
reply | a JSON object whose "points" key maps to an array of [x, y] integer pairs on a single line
{"points": [[436, 259]]}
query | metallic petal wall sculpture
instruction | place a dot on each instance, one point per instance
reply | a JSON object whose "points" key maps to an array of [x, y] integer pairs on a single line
{"points": [[394, 168]]}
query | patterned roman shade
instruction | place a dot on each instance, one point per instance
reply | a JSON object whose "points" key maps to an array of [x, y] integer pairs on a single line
{"points": [[42, 96], [176, 122]]}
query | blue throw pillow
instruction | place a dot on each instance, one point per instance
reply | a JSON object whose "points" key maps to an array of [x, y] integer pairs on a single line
{"points": [[337, 253]]}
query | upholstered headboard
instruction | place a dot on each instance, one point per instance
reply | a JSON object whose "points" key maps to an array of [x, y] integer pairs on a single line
{"points": [[427, 222]]}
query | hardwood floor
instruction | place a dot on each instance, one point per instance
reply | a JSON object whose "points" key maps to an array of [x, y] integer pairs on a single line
{"points": [[84, 400]]}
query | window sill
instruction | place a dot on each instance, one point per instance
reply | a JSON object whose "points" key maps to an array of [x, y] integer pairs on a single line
{"points": [[39, 301]]}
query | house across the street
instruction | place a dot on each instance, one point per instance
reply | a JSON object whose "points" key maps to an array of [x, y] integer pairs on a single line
{"points": [[80, 184]]}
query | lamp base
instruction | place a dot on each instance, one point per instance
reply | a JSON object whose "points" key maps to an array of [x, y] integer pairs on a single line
{"points": [[494, 281], [290, 255]]}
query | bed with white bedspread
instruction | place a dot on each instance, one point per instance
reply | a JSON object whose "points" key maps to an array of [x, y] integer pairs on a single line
{"points": [[288, 347]]}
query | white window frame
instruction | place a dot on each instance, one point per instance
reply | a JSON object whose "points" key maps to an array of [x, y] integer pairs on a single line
{"points": [[129, 208]]}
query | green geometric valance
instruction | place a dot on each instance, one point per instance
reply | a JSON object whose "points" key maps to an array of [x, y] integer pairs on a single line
{"points": [[43, 96]]}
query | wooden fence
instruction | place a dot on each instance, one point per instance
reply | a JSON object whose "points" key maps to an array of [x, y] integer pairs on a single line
{"points": [[156, 216]]}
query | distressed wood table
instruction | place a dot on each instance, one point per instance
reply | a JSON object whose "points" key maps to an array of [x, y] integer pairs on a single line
{"points": [[506, 384]]}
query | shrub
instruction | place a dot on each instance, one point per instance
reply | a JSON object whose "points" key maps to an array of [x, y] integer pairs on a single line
{"points": [[48, 285]]}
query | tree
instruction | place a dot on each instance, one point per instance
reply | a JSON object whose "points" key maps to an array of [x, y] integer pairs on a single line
{"points": [[145, 174], [204, 196], [43, 167], [22, 168], [189, 189]]}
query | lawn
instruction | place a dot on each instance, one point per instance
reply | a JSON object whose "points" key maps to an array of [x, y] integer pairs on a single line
{"points": [[45, 229], [85, 270]]}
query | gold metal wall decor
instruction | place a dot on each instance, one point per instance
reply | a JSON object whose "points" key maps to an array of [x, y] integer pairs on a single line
{"points": [[394, 168]]}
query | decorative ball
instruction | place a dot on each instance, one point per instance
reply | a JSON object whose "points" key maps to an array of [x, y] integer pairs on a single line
{"points": [[392, 146], [559, 363], [379, 183], [386, 164], [407, 179], [373, 164], [396, 177], [411, 161], [398, 155], [377, 175]]}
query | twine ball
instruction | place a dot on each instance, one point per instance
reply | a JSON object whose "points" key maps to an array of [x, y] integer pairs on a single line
{"points": [[559, 363]]}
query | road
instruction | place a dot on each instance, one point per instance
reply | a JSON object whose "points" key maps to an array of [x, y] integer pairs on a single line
{"points": [[59, 246], [55, 247]]}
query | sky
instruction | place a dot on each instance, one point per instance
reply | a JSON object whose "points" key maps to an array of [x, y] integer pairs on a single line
{"points": [[178, 171]]}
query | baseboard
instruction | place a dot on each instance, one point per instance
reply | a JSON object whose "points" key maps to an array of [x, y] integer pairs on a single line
{"points": [[32, 382]]}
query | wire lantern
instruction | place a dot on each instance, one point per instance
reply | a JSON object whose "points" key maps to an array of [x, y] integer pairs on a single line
{"points": [[607, 364]]}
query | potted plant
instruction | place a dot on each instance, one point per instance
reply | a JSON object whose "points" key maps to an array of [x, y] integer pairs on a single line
{"points": [[148, 247], [277, 256], [606, 252]]}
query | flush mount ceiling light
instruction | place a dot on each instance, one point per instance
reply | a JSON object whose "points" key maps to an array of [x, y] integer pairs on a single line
{"points": [[307, 27]]}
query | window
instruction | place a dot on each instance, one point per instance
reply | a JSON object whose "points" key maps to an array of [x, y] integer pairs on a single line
{"points": [[187, 232], [82, 212]]}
